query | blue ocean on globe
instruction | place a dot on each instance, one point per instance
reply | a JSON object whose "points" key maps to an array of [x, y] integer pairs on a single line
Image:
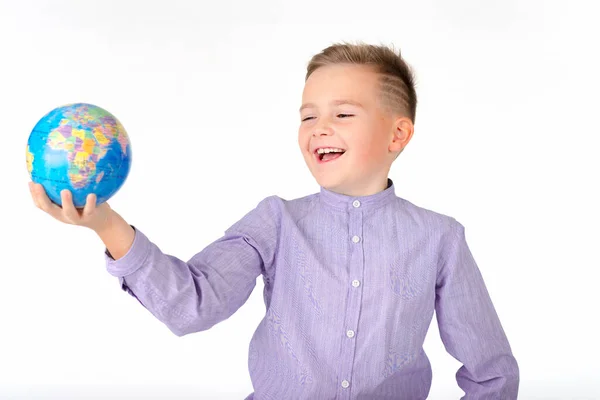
{"points": [[80, 147]]}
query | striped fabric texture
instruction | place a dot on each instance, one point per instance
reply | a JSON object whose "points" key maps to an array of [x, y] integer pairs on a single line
{"points": [[350, 288]]}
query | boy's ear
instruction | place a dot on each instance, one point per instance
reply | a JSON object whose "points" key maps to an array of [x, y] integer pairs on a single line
{"points": [[403, 131]]}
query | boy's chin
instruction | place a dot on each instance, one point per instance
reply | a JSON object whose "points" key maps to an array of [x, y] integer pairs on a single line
{"points": [[329, 182], [329, 178]]}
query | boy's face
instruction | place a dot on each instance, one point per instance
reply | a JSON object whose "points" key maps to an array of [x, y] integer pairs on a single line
{"points": [[370, 135]]}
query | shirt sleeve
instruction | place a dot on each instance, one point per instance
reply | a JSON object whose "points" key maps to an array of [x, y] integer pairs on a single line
{"points": [[193, 296], [469, 325]]}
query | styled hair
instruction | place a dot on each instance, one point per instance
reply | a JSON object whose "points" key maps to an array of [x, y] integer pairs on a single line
{"points": [[397, 82]]}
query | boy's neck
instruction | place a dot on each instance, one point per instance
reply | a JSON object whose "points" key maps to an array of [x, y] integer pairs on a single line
{"points": [[361, 192]]}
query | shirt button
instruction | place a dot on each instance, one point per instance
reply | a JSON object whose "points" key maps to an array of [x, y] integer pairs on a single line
{"points": [[356, 283], [350, 333], [355, 239], [356, 203], [345, 384]]}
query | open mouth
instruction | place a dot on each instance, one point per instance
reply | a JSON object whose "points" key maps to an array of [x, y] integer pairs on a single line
{"points": [[329, 156]]}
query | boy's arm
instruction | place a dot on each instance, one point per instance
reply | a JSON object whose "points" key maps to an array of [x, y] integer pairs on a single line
{"points": [[469, 325], [195, 295], [116, 234]]}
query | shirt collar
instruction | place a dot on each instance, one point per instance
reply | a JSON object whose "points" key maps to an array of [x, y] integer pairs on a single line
{"points": [[345, 202]]}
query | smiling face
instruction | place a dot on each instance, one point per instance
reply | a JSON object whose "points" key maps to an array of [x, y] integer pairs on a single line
{"points": [[342, 108]]}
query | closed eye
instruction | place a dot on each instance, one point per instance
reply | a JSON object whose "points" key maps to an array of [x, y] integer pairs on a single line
{"points": [[339, 115]]}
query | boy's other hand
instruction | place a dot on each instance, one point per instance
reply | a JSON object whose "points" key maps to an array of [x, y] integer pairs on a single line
{"points": [[91, 216]]}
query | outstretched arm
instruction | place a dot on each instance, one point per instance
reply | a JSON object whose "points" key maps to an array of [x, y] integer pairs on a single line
{"points": [[193, 296]]}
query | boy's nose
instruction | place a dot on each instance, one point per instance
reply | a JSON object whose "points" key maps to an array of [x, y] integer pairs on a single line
{"points": [[322, 130]]}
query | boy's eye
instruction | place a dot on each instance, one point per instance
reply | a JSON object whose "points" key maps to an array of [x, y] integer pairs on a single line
{"points": [[339, 115]]}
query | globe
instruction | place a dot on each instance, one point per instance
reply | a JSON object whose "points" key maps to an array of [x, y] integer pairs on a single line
{"points": [[80, 147]]}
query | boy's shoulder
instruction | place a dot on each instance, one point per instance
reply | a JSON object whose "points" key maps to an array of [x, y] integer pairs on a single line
{"points": [[299, 205], [426, 215]]}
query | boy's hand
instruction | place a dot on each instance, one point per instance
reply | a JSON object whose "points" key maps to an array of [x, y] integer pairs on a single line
{"points": [[95, 218]]}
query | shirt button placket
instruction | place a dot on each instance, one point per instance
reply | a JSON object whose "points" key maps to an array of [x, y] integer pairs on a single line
{"points": [[356, 270]]}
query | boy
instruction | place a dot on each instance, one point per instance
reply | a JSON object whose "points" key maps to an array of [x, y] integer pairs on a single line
{"points": [[352, 274]]}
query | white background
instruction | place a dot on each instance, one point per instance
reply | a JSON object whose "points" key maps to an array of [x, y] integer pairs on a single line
{"points": [[506, 142]]}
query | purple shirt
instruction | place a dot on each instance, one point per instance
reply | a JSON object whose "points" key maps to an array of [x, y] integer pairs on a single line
{"points": [[350, 288]]}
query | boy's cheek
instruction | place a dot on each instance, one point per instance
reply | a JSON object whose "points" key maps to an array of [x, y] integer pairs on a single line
{"points": [[303, 139], [365, 152], [363, 158]]}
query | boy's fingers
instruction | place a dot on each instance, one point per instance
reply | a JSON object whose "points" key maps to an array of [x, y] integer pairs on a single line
{"points": [[68, 208], [33, 196], [90, 205], [44, 203]]}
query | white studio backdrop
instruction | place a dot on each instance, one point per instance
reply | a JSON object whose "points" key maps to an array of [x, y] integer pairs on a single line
{"points": [[505, 141]]}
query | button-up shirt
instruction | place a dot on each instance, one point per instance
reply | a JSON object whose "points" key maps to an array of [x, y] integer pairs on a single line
{"points": [[350, 289]]}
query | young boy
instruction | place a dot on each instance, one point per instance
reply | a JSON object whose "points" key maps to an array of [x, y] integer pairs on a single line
{"points": [[352, 273]]}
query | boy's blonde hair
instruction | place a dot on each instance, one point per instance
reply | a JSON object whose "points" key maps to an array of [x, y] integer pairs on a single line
{"points": [[396, 76]]}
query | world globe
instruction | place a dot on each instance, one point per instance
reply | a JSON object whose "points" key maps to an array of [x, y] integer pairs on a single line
{"points": [[80, 147]]}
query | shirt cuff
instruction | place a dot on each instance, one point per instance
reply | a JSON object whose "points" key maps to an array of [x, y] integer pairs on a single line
{"points": [[132, 260]]}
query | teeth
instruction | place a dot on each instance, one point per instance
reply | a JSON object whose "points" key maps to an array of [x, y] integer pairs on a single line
{"points": [[329, 150]]}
